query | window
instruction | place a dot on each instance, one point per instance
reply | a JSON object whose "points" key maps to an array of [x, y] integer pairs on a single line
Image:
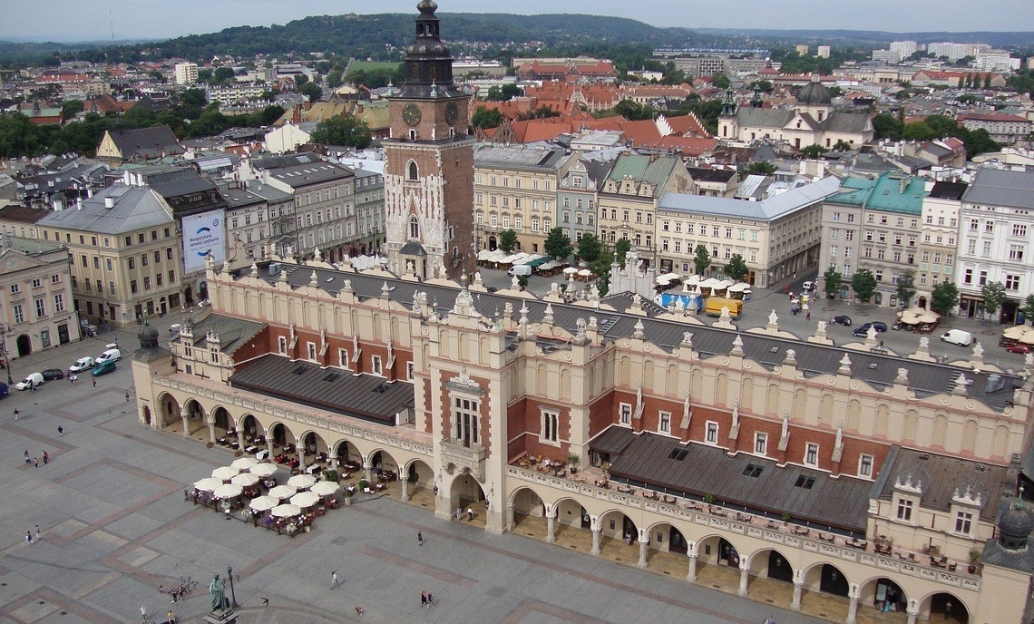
{"points": [[377, 370], [465, 421], [963, 522], [410, 367], [712, 433], [147, 282], [41, 308], [282, 345], [626, 413], [865, 466], [132, 286], [1012, 282], [1019, 229], [342, 358], [131, 263], [904, 510], [760, 443], [1016, 253], [15, 289], [37, 282], [19, 314], [664, 422], [550, 425], [753, 470], [59, 302], [811, 454], [157, 257], [311, 348]]}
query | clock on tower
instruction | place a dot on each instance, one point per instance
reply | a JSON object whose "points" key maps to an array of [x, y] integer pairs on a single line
{"points": [[429, 162]]}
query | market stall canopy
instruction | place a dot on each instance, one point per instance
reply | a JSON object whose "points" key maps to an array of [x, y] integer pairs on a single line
{"points": [[302, 481], [908, 317], [286, 511], [739, 287], [245, 479], [667, 278], [264, 470], [305, 499], [928, 317], [325, 488], [1027, 338], [228, 491], [263, 503], [1014, 332], [208, 484], [549, 266], [693, 279], [244, 463], [225, 473], [283, 491]]}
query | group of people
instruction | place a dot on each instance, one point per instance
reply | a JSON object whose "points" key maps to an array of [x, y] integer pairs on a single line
{"points": [[458, 514], [35, 460], [426, 599]]}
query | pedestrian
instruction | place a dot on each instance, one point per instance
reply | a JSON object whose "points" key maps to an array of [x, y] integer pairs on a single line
{"points": [[28, 537], [420, 537], [36, 461], [94, 384], [807, 316], [28, 460], [32, 385], [46, 457], [143, 613], [127, 396], [60, 430], [17, 414], [423, 600], [175, 591], [333, 580], [170, 617], [106, 326], [459, 512], [37, 531], [470, 514], [430, 600], [359, 611]]}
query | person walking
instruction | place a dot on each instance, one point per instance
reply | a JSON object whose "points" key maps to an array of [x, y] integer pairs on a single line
{"points": [[60, 430], [94, 384], [17, 414], [37, 531], [28, 460], [46, 458], [807, 316], [28, 537], [420, 537], [430, 600], [470, 514], [36, 461], [423, 600], [333, 580], [459, 511], [127, 396], [143, 613]]}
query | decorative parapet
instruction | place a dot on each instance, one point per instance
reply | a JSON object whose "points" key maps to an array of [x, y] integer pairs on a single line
{"points": [[471, 458]]}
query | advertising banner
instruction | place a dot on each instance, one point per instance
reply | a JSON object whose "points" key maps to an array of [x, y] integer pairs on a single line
{"points": [[203, 234]]}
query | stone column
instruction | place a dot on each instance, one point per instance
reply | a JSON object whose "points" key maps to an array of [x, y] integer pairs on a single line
{"points": [[510, 524], [405, 490], [185, 415], [269, 444], [596, 530], [644, 544], [210, 421], [368, 469], [912, 611], [691, 576], [742, 591], [240, 439], [550, 523], [852, 608], [798, 585], [301, 458]]}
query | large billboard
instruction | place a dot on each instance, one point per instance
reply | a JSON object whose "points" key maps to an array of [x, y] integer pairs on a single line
{"points": [[203, 235]]}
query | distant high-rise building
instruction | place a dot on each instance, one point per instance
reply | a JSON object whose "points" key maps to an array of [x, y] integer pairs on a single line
{"points": [[802, 49], [186, 73], [822, 51], [904, 49]]}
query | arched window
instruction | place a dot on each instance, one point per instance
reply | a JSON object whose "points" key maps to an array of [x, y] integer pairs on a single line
{"points": [[414, 227], [412, 173]]}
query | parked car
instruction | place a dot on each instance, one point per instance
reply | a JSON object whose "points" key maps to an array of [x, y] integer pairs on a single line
{"points": [[103, 368], [33, 380], [841, 319], [82, 364], [53, 373], [110, 355], [1019, 347], [4, 390], [863, 330], [808, 286]]}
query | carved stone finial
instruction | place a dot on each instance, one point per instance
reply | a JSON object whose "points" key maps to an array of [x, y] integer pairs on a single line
{"points": [[638, 334], [548, 318], [314, 280], [737, 347], [687, 339], [791, 358], [347, 286], [385, 290], [845, 365], [960, 385], [902, 377], [580, 337]]}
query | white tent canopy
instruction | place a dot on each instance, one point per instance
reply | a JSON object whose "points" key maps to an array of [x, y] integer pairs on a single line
{"points": [[245, 479], [325, 488], [264, 470], [208, 484], [244, 463], [228, 491], [305, 499], [302, 481], [283, 491], [286, 511], [263, 503]]}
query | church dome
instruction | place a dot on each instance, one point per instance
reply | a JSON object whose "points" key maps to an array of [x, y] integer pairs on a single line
{"points": [[814, 94], [148, 336], [1014, 527]]}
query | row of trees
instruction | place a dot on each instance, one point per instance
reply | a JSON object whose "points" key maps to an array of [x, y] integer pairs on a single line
{"points": [[888, 126]]}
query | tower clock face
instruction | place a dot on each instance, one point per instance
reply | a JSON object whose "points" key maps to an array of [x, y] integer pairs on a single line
{"points": [[411, 114], [451, 112]]}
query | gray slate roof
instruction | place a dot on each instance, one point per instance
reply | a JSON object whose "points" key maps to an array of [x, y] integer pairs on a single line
{"points": [[232, 332], [518, 157], [136, 208], [766, 209], [300, 176], [146, 143], [994, 187]]}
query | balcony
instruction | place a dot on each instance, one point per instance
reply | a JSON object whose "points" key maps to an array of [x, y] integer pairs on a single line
{"points": [[472, 458]]}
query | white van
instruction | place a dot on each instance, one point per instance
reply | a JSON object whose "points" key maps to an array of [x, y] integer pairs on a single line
{"points": [[110, 354], [34, 380], [519, 270], [958, 337]]}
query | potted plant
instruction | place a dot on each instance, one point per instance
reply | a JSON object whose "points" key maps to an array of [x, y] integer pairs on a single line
{"points": [[974, 559], [786, 517], [709, 499], [363, 485], [331, 475], [573, 459]]}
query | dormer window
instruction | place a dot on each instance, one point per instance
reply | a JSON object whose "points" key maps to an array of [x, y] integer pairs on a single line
{"points": [[905, 508]]}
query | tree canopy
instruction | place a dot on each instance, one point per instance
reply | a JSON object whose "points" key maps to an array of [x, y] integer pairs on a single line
{"points": [[558, 244], [944, 297], [508, 241], [863, 282], [343, 129], [906, 287], [701, 259], [832, 281], [590, 247], [736, 269]]}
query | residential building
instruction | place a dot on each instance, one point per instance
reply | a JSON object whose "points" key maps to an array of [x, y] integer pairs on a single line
{"points": [[20, 221], [938, 245], [36, 305], [580, 179], [802, 49], [289, 137], [995, 60], [873, 223], [126, 254], [823, 51], [904, 49], [996, 223], [1004, 129], [186, 73], [118, 147], [369, 208], [713, 182], [282, 231], [247, 222], [236, 93], [515, 188], [776, 236], [629, 196]]}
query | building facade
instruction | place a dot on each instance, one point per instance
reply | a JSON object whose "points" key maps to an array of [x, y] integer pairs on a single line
{"points": [[186, 73], [369, 209], [938, 246], [577, 195]]}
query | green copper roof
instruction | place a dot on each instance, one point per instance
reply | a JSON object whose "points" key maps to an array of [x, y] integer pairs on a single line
{"points": [[891, 192], [642, 169]]}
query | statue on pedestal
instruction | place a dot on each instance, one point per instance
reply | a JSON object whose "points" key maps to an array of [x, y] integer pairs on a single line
{"points": [[217, 589]]}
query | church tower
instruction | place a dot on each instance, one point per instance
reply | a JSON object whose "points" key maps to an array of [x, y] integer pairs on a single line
{"points": [[429, 162]]}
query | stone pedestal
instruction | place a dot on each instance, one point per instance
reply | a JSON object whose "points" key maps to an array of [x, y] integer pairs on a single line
{"points": [[228, 616]]}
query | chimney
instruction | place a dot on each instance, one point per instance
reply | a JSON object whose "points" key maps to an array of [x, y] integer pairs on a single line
{"points": [[109, 202]]}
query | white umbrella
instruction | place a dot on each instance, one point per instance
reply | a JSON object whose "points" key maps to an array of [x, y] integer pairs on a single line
{"points": [[928, 317], [228, 491], [570, 270], [283, 491], [245, 479], [286, 511], [225, 473], [244, 463], [208, 484], [263, 503], [325, 488], [264, 470], [305, 499], [1014, 332], [302, 481], [584, 273]]}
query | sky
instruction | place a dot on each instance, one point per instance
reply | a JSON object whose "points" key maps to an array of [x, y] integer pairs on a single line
{"points": [[92, 20]]}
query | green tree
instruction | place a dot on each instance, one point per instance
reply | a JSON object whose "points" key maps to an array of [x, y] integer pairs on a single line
{"points": [[621, 249], [994, 296], [558, 244], [978, 142], [917, 131], [863, 282], [508, 241], [720, 80], [223, 75], [71, 108], [764, 86], [702, 259], [486, 118], [632, 110], [832, 281], [944, 297], [761, 167], [1028, 308], [814, 151], [987, 80], [590, 248], [886, 126], [345, 129], [335, 79], [736, 269], [312, 90], [906, 287], [842, 146]]}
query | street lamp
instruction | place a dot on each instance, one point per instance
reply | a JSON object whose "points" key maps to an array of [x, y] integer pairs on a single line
{"points": [[233, 594], [5, 331]]}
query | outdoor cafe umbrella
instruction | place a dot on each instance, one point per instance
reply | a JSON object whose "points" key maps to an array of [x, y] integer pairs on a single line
{"points": [[263, 503], [225, 473], [286, 511], [325, 488], [570, 270], [228, 491], [264, 470], [302, 481], [1027, 338], [584, 273], [927, 317], [283, 491], [208, 484], [245, 479], [1014, 332], [305, 499], [244, 463]]}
